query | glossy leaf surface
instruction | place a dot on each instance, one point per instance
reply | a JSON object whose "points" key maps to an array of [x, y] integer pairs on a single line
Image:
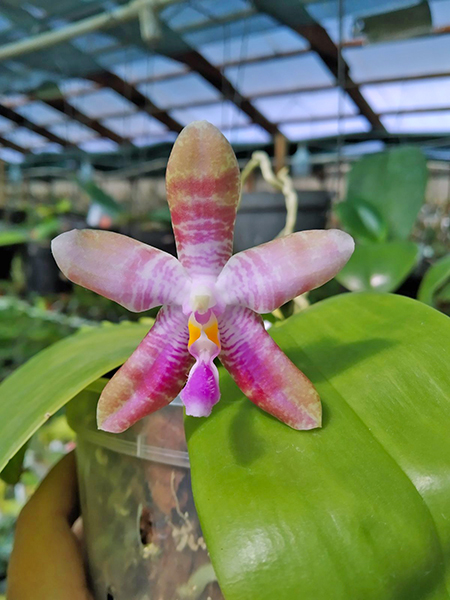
{"points": [[437, 276], [394, 184], [362, 221], [41, 386], [359, 509], [379, 267]]}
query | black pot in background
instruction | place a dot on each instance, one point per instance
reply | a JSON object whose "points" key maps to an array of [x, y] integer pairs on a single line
{"points": [[163, 239], [262, 215], [42, 273], [6, 257], [16, 217]]}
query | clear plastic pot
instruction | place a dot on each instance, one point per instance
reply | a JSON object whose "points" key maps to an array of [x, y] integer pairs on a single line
{"points": [[142, 533]]}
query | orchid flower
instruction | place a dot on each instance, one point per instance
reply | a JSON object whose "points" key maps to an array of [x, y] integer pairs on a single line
{"points": [[210, 299]]}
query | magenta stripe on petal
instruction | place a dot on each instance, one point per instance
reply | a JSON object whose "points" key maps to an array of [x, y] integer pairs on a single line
{"points": [[203, 186], [152, 376], [264, 373], [265, 277], [129, 272]]}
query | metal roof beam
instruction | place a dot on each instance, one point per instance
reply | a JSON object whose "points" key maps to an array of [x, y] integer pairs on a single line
{"points": [[217, 79], [321, 43], [70, 111], [128, 91], [12, 145], [17, 118]]}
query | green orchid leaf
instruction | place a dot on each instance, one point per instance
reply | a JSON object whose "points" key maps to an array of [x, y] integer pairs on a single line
{"points": [[100, 197], [14, 235], [437, 276], [362, 221], [13, 470], [359, 509], [393, 183], [379, 267], [37, 389]]}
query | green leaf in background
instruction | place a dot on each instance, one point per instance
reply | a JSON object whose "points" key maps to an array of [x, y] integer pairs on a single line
{"points": [[14, 235], [362, 221], [394, 184], [435, 278], [36, 390], [357, 510], [13, 470], [100, 197], [379, 267]]}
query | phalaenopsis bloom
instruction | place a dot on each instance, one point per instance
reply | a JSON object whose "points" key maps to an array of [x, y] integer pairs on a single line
{"points": [[210, 299]]}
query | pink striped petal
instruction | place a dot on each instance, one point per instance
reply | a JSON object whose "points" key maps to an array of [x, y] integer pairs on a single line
{"points": [[203, 186], [264, 373], [265, 277], [129, 272], [152, 376]]}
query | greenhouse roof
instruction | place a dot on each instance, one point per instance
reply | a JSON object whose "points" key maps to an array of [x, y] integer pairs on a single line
{"points": [[254, 69]]}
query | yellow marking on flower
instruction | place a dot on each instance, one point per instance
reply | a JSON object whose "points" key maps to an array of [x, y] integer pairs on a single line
{"points": [[212, 331], [210, 327], [194, 332]]}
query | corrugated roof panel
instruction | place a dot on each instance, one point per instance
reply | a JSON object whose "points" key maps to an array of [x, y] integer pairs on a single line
{"points": [[94, 42], [51, 148], [99, 145], [420, 56], [40, 113], [75, 86], [254, 45], [147, 67], [440, 13], [135, 125], [283, 73], [25, 138], [253, 134], [6, 125], [180, 91], [239, 28], [430, 93], [433, 123], [153, 140], [11, 156], [102, 103], [319, 129], [223, 9], [222, 114], [182, 15], [305, 105], [72, 131]]}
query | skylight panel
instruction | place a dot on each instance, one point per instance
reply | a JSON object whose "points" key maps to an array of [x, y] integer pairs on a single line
{"points": [[72, 131], [434, 123], [254, 45], [152, 140], [223, 114], [280, 74], [406, 58], [253, 134], [319, 129], [11, 156], [99, 146], [102, 103], [148, 67], [40, 113], [408, 95], [191, 88], [6, 125], [135, 125], [25, 138], [305, 105]]}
